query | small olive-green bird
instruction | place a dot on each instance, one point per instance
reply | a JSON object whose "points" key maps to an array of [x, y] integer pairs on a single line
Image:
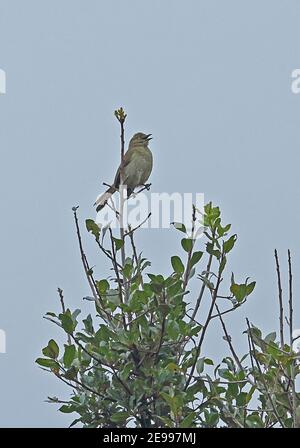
{"points": [[138, 163]]}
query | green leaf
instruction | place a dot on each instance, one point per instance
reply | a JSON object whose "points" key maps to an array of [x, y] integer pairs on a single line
{"points": [[71, 373], [200, 365], [177, 265], [222, 230], [212, 417], [173, 329], [228, 245], [254, 421], [92, 227], [206, 281], [223, 264], [52, 349], [74, 422], [69, 355], [210, 249], [241, 399], [127, 370], [46, 362], [250, 394], [127, 270], [239, 291], [118, 243], [88, 324], [209, 362], [113, 297], [173, 402], [179, 226], [67, 322], [67, 409], [187, 244], [175, 289], [188, 420], [195, 258], [270, 337], [102, 286], [120, 417], [250, 288], [173, 367]]}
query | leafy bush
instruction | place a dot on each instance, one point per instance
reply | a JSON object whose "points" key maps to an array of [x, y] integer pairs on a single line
{"points": [[137, 359]]}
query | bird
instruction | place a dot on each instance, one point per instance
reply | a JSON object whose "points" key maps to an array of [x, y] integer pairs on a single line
{"points": [[137, 167]]}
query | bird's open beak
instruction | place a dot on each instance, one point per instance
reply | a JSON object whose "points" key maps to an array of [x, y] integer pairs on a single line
{"points": [[148, 137]]}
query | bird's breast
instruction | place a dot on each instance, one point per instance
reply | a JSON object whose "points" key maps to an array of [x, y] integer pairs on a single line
{"points": [[140, 167]]}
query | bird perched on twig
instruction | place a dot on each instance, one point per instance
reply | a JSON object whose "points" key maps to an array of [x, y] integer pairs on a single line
{"points": [[137, 167]]}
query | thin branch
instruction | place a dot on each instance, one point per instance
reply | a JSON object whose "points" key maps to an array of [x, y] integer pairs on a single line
{"points": [[228, 339], [145, 187], [79, 383], [121, 118], [85, 263], [251, 357], [88, 388], [293, 386], [161, 338], [114, 260], [227, 311], [281, 312], [124, 385], [108, 255], [204, 329], [188, 263], [262, 378], [131, 231], [61, 297], [199, 299], [135, 256]]}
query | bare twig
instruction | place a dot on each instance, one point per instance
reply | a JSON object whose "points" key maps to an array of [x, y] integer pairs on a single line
{"points": [[188, 263], [120, 287], [145, 187], [281, 327], [228, 340], [124, 385], [131, 231], [135, 256], [227, 311], [262, 378], [204, 329], [293, 386], [199, 299], [85, 263], [161, 338], [61, 297], [121, 117], [107, 253]]}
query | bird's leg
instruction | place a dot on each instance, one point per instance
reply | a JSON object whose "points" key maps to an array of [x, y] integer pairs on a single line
{"points": [[145, 187]]}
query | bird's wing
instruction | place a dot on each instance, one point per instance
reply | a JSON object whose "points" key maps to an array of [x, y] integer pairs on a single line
{"points": [[103, 197], [126, 161]]}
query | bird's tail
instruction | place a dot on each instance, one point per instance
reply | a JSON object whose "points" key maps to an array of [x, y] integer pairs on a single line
{"points": [[103, 198]]}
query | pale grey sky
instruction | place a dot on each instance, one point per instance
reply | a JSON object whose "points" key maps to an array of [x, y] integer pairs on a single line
{"points": [[211, 80]]}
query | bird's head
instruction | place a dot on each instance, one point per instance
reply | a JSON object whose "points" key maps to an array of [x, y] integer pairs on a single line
{"points": [[140, 139]]}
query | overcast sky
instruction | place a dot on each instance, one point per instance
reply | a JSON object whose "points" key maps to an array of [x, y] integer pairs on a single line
{"points": [[211, 80]]}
